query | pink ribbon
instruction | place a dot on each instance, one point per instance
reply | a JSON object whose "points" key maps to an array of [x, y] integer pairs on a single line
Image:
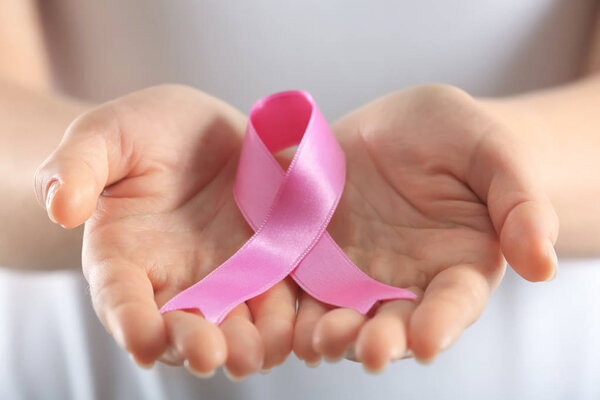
{"points": [[289, 212]]}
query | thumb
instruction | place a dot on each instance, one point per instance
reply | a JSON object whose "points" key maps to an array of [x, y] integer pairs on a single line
{"points": [[502, 174], [69, 182]]}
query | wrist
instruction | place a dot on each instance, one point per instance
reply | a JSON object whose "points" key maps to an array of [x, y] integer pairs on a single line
{"points": [[525, 125]]}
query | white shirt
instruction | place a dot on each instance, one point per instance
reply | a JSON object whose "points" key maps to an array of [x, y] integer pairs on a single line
{"points": [[533, 341]]}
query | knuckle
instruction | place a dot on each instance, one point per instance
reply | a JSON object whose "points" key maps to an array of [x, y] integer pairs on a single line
{"points": [[101, 119], [442, 90], [441, 96]]}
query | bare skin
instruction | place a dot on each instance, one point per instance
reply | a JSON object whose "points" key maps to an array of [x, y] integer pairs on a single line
{"points": [[413, 214], [437, 191], [156, 175]]}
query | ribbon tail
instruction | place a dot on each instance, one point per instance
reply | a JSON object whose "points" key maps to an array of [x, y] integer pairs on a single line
{"points": [[342, 284]]}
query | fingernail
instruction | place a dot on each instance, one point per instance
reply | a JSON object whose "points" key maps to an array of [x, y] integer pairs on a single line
{"points": [[425, 361], [374, 371], [554, 257], [233, 378], [171, 356], [141, 365], [49, 198], [446, 342], [313, 364], [333, 360], [397, 353], [266, 371], [350, 353], [196, 373], [407, 354]]}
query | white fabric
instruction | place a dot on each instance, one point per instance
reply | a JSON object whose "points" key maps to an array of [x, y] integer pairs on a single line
{"points": [[533, 341], [344, 52]]}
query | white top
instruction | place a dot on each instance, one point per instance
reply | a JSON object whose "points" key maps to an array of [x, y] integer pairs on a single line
{"points": [[533, 341]]}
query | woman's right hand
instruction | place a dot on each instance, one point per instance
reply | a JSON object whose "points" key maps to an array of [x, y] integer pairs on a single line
{"points": [[151, 175]]}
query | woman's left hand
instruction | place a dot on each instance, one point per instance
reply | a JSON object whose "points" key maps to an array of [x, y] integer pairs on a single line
{"points": [[438, 194]]}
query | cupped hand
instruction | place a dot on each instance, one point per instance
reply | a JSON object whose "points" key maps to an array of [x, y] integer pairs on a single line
{"points": [[152, 174], [438, 195]]}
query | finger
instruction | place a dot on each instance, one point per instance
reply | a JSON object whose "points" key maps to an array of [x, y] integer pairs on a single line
{"points": [[309, 313], [197, 341], [123, 299], [526, 243], [192, 340], [384, 337], [336, 331], [274, 314], [454, 299], [88, 158], [245, 349], [520, 210]]}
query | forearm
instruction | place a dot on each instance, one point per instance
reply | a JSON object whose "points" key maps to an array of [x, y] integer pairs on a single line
{"points": [[23, 57], [31, 125], [561, 126]]}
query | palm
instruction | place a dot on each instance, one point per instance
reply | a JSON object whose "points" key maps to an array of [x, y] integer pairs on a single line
{"points": [[403, 219], [407, 219], [178, 223]]}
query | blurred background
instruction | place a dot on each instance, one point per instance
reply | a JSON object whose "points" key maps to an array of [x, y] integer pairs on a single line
{"points": [[537, 341]]}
